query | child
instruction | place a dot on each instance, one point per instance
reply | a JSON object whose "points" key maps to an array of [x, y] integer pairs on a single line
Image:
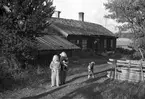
{"points": [[91, 70], [55, 69]]}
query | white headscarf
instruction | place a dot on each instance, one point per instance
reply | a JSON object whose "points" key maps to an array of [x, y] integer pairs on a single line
{"points": [[55, 58], [63, 54]]}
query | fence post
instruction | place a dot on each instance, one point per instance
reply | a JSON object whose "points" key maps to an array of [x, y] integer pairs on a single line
{"points": [[129, 69], [111, 73], [141, 67], [115, 68]]}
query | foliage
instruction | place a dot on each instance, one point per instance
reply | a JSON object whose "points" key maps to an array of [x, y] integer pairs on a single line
{"points": [[124, 51], [21, 21], [136, 55], [124, 35], [131, 13]]}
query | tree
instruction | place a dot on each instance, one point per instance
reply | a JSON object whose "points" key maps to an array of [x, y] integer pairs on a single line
{"points": [[21, 21], [131, 13]]}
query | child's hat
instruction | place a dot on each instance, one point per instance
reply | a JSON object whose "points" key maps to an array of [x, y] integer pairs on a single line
{"points": [[63, 54]]}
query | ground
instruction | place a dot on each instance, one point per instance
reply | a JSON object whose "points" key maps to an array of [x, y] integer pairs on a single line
{"points": [[79, 87]]}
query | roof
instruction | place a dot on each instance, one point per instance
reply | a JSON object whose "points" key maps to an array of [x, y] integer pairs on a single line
{"points": [[53, 42], [75, 27]]}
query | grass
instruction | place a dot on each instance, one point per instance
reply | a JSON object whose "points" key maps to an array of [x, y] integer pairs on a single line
{"points": [[34, 77], [123, 90], [77, 87]]}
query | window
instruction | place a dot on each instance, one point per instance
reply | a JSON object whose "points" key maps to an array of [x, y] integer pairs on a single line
{"points": [[105, 43], [84, 44], [73, 41], [78, 42], [111, 44]]}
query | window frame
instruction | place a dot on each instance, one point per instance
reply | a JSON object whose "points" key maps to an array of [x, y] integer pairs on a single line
{"points": [[84, 44]]}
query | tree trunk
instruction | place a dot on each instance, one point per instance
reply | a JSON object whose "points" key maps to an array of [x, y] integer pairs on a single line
{"points": [[141, 53]]}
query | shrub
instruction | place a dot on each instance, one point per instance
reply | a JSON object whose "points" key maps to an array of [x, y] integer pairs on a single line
{"points": [[137, 55], [124, 51], [4, 68]]}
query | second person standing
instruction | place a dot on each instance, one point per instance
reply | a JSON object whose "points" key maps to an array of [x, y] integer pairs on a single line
{"points": [[64, 67]]}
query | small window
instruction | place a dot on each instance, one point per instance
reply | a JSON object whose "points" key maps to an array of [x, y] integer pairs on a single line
{"points": [[84, 44], [78, 42], [73, 41], [105, 43]]}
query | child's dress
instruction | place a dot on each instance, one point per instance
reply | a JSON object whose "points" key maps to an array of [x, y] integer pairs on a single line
{"points": [[55, 69], [91, 70]]}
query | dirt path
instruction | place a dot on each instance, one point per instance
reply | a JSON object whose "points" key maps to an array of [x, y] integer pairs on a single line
{"points": [[77, 87]]}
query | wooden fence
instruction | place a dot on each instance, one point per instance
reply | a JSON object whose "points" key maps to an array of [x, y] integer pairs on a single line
{"points": [[130, 70]]}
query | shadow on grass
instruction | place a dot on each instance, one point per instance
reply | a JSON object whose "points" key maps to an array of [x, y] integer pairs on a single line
{"points": [[85, 75], [11, 84], [45, 93], [20, 79], [90, 91], [63, 86]]}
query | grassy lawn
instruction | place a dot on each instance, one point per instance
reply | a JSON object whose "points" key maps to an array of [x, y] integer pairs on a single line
{"points": [[37, 86]]}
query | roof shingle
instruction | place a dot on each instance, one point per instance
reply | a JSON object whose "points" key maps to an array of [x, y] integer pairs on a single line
{"points": [[53, 42], [75, 27]]}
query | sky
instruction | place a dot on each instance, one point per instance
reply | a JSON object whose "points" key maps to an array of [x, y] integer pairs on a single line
{"points": [[94, 11]]}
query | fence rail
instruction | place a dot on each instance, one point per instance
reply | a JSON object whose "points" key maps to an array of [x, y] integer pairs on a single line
{"points": [[131, 70]]}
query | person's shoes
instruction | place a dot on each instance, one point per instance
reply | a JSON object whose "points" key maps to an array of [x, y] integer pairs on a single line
{"points": [[52, 85], [63, 83]]}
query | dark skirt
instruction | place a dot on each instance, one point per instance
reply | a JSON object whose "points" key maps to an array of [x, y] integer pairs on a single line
{"points": [[62, 76]]}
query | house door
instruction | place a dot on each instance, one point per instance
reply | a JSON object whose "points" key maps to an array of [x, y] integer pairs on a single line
{"points": [[96, 45]]}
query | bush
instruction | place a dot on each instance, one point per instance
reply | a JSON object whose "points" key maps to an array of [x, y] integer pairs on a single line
{"points": [[4, 68], [124, 51], [137, 55]]}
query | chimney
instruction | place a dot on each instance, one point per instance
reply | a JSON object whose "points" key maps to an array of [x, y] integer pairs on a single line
{"points": [[57, 14], [81, 16]]}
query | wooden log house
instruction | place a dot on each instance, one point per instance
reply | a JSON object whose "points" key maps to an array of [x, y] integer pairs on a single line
{"points": [[86, 35], [75, 36]]}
